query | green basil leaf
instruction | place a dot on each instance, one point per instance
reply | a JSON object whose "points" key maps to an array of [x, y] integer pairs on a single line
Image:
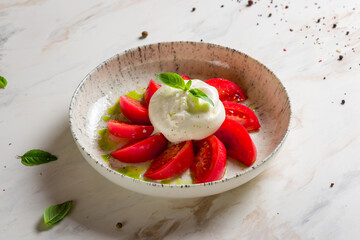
{"points": [[36, 157], [3, 82], [56, 213], [188, 85], [200, 94], [172, 80]]}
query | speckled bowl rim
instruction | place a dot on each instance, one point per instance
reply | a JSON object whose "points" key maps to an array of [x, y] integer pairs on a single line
{"points": [[154, 184]]}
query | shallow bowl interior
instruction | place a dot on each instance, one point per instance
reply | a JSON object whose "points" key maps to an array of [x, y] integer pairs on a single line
{"points": [[134, 68]]}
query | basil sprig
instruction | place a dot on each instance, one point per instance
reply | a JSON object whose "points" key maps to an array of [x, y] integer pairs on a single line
{"points": [[37, 157], [176, 81], [3, 82], [56, 213]]}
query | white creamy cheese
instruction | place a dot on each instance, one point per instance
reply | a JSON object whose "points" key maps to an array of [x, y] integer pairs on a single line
{"points": [[181, 117]]}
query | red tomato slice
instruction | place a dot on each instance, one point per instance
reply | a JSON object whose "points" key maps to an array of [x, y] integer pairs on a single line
{"points": [[185, 77], [197, 144], [210, 161], [242, 114], [141, 151], [134, 110], [237, 141], [150, 90], [128, 130], [173, 161], [228, 91]]}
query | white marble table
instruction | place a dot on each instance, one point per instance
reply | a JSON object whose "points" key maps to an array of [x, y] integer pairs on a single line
{"points": [[48, 46]]}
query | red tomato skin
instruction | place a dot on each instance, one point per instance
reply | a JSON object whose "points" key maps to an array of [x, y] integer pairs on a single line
{"points": [[150, 90], [242, 114], [213, 152], [185, 77], [142, 150], [237, 141], [134, 110], [128, 130], [228, 91], [175, 160]]}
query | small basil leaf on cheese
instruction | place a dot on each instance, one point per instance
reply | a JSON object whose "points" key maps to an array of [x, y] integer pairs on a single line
{"points": [[200, 94]]}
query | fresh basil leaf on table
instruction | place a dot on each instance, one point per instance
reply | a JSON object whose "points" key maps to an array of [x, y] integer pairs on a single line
{"points": [[3, 82], [56, 213], [36, 157]]}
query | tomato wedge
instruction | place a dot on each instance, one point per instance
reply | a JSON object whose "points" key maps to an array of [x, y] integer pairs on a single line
{"points": [[228, 91], [242, 114], [185, 77], [134, 110], [150, 90], [141, 151], [237, 141], [210, 161], [173, 161], [128, 130]]}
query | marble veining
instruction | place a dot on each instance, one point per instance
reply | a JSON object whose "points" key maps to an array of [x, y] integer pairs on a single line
{"points": [[311, 189]]}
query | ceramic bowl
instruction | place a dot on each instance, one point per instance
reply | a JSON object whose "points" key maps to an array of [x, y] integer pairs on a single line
{"points": [[132, 69]]}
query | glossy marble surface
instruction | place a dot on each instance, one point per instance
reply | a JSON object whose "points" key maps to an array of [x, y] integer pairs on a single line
{"points": [[310, 191]]}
